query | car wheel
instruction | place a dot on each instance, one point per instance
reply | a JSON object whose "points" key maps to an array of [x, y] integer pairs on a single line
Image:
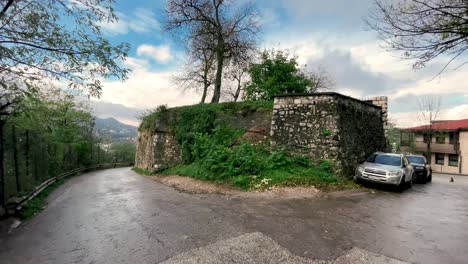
{"points": [[424, 179], [402, 186], [409, 184]]}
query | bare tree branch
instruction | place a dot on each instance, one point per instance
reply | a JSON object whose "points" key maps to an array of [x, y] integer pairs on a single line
{"points": [[422, 29], [216, 27]]}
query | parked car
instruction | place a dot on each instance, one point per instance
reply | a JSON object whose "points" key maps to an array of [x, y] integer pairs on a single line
{"points": [[422, 169], [387, 168]]}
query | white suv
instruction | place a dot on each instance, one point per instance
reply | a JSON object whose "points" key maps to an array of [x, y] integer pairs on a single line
{"points": [[387, 168]]}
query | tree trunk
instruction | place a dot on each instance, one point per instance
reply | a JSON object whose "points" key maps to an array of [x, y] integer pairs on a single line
{"points": [[219, 70], [15, 159], [239, 86], [2, 170], [205, 91], [27, 154]]}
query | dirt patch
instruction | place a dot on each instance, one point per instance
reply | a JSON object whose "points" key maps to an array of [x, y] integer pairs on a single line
{"points": [[190, 185], [283, 192]]}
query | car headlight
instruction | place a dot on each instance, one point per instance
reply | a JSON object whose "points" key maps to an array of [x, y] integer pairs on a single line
{"points": [[361, 168], [394, 173]]}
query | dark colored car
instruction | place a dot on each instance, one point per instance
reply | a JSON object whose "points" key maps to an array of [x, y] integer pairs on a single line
{"points": [[422, 169]]}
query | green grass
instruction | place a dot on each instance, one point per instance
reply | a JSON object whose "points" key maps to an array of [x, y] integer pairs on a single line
{"points": [[142, 171], [39, 202], [162, 113], [214, 151], [291, 177]]}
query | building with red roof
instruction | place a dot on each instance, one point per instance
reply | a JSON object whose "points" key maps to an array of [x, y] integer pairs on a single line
{"points": [[446, 141]]}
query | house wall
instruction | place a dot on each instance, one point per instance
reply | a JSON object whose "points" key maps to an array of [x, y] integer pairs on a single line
{"points": [[444, 168], [462, 159], [464, 151]]}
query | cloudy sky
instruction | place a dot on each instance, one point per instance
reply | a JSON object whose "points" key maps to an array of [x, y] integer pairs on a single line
{"points": [[329, 34]]}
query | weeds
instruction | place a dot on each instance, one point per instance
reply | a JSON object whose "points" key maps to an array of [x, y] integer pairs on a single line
{"points": [[213, 151], [142, 171], [38, 203], [223, 157]]}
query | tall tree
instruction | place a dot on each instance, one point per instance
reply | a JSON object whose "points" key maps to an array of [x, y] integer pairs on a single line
{"points": [[237, 74], [423, 29], [50, 41], [199, 72], [232, 29]]}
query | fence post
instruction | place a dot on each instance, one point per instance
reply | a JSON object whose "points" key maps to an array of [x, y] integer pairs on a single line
{"points": [[15, 159], [2, 170]]}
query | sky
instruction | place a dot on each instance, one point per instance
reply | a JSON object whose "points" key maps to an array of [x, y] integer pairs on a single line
{"points": [[328, 34]]}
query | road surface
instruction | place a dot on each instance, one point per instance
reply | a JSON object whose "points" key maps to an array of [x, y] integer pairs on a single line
{"points": [[117, 216]]}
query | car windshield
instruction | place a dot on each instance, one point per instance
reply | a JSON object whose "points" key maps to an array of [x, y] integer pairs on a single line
{"points": [[385, 159], [416, 159]]}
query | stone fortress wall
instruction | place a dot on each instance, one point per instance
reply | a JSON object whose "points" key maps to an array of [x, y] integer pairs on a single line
{"points": [[324, 126], [328, 126]]}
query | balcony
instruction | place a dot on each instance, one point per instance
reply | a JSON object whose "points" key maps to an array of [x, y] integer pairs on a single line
{"points": [[435, 147]]}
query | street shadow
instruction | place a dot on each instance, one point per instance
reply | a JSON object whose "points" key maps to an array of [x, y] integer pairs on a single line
{"points": [[381, 187]]}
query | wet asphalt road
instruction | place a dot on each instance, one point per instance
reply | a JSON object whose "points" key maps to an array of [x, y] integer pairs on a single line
{"points": [[117, 216]]}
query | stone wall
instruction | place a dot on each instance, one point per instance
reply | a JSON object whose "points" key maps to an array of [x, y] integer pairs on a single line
{"points": [[361, 132], [306, 125], [158, 149], [323, 126], [328, 126], [381, 101]]}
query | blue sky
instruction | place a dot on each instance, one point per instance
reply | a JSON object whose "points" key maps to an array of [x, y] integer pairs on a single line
{"points": [[329, 34]]}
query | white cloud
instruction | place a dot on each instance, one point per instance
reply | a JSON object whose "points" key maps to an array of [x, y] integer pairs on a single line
{"points": [[161, 54], [409, 119], [141, 21], [449, 83], [146, 89]]}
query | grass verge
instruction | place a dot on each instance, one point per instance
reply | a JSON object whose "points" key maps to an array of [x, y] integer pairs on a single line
{"points": [[142, 171], [312, 176], [38, 203]]}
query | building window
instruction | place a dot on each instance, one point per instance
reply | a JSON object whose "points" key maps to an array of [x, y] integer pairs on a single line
{"points": [[425, 138], [440, 139], [452, 138], [453, 160], [440, 158]]}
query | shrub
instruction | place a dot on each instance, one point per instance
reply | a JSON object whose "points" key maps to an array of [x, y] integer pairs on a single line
{"points": [[223, 157], [213, 151]]}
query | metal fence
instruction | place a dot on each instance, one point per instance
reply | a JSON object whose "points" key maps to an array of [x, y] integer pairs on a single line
{"points": [[16, 206]]}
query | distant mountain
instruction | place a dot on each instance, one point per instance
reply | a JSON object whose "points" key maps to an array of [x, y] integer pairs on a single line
{"points": [[112, 129]]}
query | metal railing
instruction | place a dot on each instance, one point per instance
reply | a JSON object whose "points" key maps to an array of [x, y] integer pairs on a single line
{"points": [[17, 206]]}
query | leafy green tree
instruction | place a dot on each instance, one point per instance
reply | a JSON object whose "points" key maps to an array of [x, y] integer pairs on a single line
{"points": [[279, 73], [122, 152], [57, 39], [46, 41]]}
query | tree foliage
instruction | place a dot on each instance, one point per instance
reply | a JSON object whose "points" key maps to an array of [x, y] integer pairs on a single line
{"points": [[59, 40], [48, 136], [423, 29], [277, 72], [49, 43]]}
